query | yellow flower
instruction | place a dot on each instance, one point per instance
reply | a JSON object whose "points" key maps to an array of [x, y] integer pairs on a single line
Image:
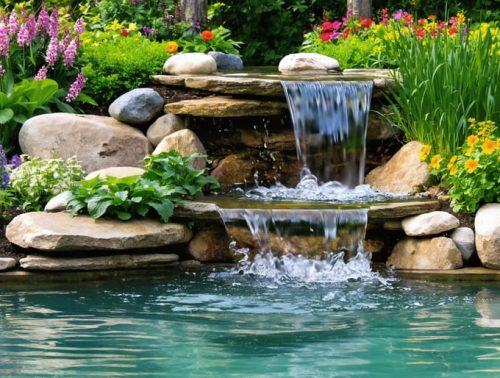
{"points": [[471, 120], [132, 26], [172, 47], [453, 170], [460, 18], [472, 140], [471, 165], [424, 152], [488, 147], [436, 159], [469, 150], [452, 161], [115, 25]]}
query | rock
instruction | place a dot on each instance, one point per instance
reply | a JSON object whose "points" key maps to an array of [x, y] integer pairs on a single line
{"points": [[226, 107], [373, 245], [62, 232], [7, 263], [425, 254], [137, 107], [58, 203], [307, 62], [393, 225], [210, 245], [226, 61], [165, 125], [97, 142], [44, 263], [432, 223], [487, 225], [118, 172], [392, 210], [234, 169], [463, 237], [186, 143], [190, 63], [402, 174], [243, 86], [190, 211], [379, 128]]}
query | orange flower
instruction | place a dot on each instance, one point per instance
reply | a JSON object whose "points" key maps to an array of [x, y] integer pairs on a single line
{"points": [[488, 147], [472, 140], [172, 47], [452, 31], [471, 165], [453, 170], [207, 35], [434, 164], [424, 152]]}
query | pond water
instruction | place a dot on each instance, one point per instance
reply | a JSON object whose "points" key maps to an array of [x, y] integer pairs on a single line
{"points": [[220, 324]]}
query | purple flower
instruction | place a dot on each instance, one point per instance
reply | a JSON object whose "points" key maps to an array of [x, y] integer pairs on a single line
{"points": [[335, 35], [16, 161], [54, 23], [42, 73], [336, 25], [3, 168], [79, 26], [148, 31], [64, 43], [43, 21], [2, 70], [13, 24], [4, 40], [168, 19], [196, 25], [51, 55], [23, 36], [70, 52], [31, 26], [76, 87]]}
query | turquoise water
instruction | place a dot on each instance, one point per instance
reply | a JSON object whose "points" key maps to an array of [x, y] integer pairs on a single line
{"points": [[221, 324]]}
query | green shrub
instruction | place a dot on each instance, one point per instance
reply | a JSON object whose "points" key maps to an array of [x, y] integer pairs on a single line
{"points": [[117, 66], [37, 180]]}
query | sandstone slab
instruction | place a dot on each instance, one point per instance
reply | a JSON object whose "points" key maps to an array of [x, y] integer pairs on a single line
{"points": [[395, 210], [190, 63], [165, 125], [44, 263], [118, 172], [427, 254], [404, 173], [301, 62], [186, 143], [97, 142], [226, 107], [137, 107], [487, 225], [211, 245], [63, 232], [7, 263], [432, 223]]}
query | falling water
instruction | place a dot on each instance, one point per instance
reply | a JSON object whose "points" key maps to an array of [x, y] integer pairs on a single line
{"points": [[330, 121]]}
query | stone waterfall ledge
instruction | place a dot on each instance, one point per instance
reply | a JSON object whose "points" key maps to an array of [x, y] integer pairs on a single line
{"points": [[44, 263], [226, 107]]}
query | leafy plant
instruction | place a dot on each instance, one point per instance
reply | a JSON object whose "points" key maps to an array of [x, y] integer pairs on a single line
{"points": [[117, 66], [473, 174], [37, 180], [209, 40], [168, 178], [20, 102]]}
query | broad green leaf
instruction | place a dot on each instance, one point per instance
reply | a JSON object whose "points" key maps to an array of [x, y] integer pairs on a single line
{"points": [[165, 209], [6, 115]]}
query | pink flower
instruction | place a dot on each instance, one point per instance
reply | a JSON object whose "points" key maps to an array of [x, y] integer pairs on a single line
{"points": [[70, 53], [63, 44], [76, 87], [54, 23], [13, 24], [79, 26], [23, 36], [43, 21], [42, 73], [51, 55], [31, 25], [4, 40], [2, 70]]}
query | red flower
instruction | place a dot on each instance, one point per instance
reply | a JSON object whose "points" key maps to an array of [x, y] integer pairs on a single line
{"points": [[420, 33], [421, 21], [207, 35], [345, 33], [327, 26], [365, 23], [325, 37], [408, 19], [124, 32], [453, 30]]}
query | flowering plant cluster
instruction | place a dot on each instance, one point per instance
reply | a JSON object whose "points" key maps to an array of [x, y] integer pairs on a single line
{"points": [[473, 174], [204, 41], [37, 46]]}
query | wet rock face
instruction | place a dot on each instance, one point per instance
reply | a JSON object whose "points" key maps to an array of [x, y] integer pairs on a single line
{"points": [[211, 245], [97, 142], [487, 225], [137, 107]]}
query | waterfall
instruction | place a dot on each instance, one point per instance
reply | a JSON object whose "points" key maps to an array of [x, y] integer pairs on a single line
{"points": [[330, 121]]}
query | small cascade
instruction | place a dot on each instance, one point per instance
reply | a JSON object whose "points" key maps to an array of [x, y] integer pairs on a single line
{"points": [[330, 121]]}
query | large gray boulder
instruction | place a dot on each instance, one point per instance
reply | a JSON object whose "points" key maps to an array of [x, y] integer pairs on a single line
{"points": [[137, 107], [189, 64], [487, 225], [63, 232], [226, 61], [97, 142], [186, 143], [165, 125], [425, 254], [301, 62], [432, 223]]}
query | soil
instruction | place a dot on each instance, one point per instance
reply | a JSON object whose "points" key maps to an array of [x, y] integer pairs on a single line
{"points": [[6, 248]]}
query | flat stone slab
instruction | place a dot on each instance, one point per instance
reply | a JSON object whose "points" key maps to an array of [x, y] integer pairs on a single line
{"points": [[63, 232], [394, 210], [44, 263], [226, 107], [197, 211], [463, 274]]}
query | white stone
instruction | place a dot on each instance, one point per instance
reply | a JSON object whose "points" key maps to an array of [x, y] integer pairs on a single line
{"points": [[44, 263], [432, 223], [186, 143], [58, 203], [307, 62], [7, 263], [487, 225], [190, 63], [118, 172], [463, 237], [97, 142], [63, 232], [165, 125]]}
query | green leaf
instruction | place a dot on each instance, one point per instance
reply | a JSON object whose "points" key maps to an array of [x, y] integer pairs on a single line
{"points": [[124, 215], [97, 206], [165, 209], [6, 115]]}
